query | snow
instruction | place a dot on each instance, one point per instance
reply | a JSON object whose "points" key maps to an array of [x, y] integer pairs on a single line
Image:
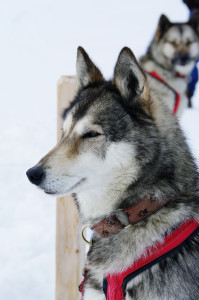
{"points": [[38, 44]]}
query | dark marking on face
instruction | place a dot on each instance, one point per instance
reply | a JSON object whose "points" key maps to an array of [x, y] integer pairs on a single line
{"points": [[180, 28], [91, 97]]}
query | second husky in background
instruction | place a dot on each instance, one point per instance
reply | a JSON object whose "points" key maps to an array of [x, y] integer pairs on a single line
{"points": [[170, 59]]}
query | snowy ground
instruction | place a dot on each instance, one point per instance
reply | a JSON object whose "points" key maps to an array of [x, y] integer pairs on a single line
{"points": [[38, 44]]}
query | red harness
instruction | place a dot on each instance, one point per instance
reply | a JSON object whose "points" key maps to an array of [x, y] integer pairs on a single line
{"points": [[115, 284], [177, 95]]}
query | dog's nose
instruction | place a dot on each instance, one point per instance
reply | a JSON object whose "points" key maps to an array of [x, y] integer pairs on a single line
{"points": [[35, 175], [184, 59], [181, 59]]}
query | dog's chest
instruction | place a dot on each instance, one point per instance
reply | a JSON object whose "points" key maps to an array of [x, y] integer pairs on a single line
{"points": [[177, 83]]}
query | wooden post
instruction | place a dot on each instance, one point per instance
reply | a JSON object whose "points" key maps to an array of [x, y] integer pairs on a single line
{"points": [[69, 247]]}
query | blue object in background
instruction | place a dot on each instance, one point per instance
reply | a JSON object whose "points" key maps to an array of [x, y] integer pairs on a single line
{"points": [[194, 74], [194, 79]]}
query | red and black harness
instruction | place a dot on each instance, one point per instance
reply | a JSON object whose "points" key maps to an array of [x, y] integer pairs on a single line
{"points": [[114, 285], [177, 95]]}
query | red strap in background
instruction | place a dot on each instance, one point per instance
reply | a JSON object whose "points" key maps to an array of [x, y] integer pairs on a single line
{"points": [[177, 101], [174, 239], [180, 75]]}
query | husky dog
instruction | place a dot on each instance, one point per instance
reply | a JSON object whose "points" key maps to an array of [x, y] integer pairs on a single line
{"points": [[172, 54], [120, 144]]}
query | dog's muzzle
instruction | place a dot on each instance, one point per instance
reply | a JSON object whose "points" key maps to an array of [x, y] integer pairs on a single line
{"points": [[35, 175], [181, 59]]}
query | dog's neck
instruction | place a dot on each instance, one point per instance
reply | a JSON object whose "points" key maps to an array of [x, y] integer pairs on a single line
{"points": [[123, 218], [138, 237], [120, 190], [150, 63], [100, 202]]}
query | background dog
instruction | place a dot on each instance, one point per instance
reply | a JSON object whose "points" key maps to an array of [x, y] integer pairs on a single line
{"points": [[172, 54], [120, 143]]}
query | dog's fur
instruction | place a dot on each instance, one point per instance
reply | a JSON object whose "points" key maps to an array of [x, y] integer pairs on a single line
{"points": [[119, 144], [174, 49]]}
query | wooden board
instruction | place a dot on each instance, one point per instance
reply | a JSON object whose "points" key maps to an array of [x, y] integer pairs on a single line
{"points": [[69, 248]]}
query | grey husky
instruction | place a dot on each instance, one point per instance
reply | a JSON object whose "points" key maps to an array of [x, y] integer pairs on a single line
{"points": [[172, 54], [121, 144]]}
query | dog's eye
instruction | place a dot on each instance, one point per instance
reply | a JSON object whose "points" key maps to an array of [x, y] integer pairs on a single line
{"points": [[173, 43], [188, 43], [90, 134]]}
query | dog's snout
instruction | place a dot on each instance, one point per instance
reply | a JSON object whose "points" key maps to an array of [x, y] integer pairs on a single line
{"points": [[181, 59], [184, 58], [35, 175]]}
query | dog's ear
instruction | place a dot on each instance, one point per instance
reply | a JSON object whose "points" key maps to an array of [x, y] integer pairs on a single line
{"points": [[87, 72], [129, 78], [163, 25], [194, 22]]}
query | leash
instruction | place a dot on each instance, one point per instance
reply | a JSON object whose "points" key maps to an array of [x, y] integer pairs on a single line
{"points": [[177, 95]]}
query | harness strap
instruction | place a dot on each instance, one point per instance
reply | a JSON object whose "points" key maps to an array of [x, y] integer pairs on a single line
{"points": [[81, 286], [115, 284], [177, 95], [180, 75]]}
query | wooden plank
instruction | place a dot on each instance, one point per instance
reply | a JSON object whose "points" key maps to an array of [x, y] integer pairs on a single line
{"points": [[69, 248]]}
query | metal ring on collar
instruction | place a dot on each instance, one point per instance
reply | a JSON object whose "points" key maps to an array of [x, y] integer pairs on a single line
{"points": [[83, 237]]}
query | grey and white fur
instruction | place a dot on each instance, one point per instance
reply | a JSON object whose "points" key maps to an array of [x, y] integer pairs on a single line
{"points": [[173, 50], [120, 143]]}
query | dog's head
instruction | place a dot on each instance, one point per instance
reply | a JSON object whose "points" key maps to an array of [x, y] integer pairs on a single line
{"points": [[108, 132], [176, 45]]}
